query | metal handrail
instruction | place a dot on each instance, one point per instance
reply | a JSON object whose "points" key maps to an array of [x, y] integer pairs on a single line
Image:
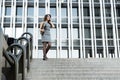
{"points": [[16, 58], [31, 38], [31, 41], [28, 53]]}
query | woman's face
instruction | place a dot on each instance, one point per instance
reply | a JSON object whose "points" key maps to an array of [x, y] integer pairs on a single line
{"points": [[48, 17]]}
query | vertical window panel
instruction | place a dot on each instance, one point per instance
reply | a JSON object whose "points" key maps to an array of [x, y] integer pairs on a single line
{"points": [[107, 1], [86, 11], [75, 33], [97, 11], [109, 33], [30, 11], [118, 11], [108, 11], [75, 54], [53, 12], [64, 33], [64, 54], [7, 11], [19, 11], [41, 11], [119, 33], [87, 32], [74, 12], [98, 33], [63, 12], [96, 0], [18, 32]]}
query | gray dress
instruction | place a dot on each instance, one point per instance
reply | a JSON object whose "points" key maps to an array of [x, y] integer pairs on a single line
{"points": [[46, 37]]}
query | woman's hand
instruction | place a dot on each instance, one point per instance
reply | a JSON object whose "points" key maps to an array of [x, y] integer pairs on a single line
{"points": [[52, 25], [41, 30]]}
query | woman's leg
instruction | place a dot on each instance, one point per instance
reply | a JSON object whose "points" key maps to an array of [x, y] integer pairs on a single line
{"points": [[44, 50], [48, 47]]}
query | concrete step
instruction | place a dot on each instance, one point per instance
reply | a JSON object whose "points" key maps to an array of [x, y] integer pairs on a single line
{"points": [[74, 69]]}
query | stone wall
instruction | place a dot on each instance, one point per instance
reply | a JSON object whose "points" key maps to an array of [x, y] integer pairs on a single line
{"points": [[3, 46]]}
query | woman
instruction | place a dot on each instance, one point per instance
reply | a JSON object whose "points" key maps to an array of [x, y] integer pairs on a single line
{"points": [[45, 33]]}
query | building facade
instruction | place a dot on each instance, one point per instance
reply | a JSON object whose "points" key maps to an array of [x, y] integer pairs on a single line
{"points": [[84, 28]]}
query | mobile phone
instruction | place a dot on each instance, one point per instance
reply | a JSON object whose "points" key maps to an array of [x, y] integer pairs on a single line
{"points": [[49, 21]]}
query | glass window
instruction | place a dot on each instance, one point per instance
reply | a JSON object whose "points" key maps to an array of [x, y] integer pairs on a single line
{"points": [[96, 0], [30, 20], [7, 19], [88, 52], [64, 33], [111, 51], [42, 1], [99, 42], [86, 11], [64, 0], [19, 32], [97, 11], [98, 20], [30, 0], [108, 12], [63, 12], [74, 0], [118, 12], [52, 54], [8, 31], [107, 1], [75, 33], [53, 33], [53, 11], [87, 42], [39, 54], [75, 54], [85, 0], [54, 36], [87, 32], [52, 0], [117, 1], [119, 44], [19, 11], [30, 11], [7, 11], [74, 12], [98, 33], [109, 33], [41, 11], [39, 35], [64, 54], [7, 0], [1, 12], [30, 30], [119, 33], [19, 0], [100, 52], [108, 20], [110, 43], [86, 20]]}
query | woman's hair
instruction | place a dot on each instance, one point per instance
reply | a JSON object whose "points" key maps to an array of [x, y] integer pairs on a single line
{"points": [[45, 17]]}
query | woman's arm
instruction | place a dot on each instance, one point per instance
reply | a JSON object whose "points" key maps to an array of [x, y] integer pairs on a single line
{"points": [[52, 25], [41, 27]]}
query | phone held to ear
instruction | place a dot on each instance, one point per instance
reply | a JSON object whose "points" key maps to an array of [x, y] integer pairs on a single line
{"points": [[49, 21]]}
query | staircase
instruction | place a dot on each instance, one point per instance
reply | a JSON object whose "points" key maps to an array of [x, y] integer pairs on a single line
{"points": [[74, 69]]}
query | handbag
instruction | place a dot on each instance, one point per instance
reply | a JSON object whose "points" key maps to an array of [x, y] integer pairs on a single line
{"points": [[42, 32]]}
